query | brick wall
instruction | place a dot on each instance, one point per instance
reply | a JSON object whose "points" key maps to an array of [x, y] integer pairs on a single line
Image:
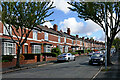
{"points": [[13, 63], [51, 58]]}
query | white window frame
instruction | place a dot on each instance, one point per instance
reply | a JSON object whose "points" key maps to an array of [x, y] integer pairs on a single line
{"points": [[47, 49], [36, 47], [5, 30], [80, 42], [76, 41], [72, 42], [46, 36], [35, 35], [7, 48], [66, 48], [65, 39], [59, 39], [61, 48]]}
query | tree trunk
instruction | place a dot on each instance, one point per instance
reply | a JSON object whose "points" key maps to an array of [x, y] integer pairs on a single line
{"points": [[108, 53], [18, 57]]}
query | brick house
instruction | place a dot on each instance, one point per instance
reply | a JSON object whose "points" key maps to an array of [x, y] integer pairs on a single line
{"points": [[43, 41]]}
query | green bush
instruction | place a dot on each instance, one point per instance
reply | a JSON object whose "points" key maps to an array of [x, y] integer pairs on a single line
{"points": [[73, 53], [7, 58], [56, 51]]}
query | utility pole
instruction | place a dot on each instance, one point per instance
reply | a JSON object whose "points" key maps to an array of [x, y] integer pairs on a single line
{"points": [[105, 39]]}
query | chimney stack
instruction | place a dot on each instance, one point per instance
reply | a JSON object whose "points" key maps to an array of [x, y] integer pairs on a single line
{"points": [[55, 27], [68, 31], [46, 26], [77, 36], [83, 38], [60, 30]]}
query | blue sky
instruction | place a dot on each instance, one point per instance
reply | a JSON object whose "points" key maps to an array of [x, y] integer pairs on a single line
{"points": [[65, 18]]}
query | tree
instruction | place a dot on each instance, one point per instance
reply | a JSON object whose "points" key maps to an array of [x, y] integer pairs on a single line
{"points": [[20, 16], [101, 13], [116, 43]]}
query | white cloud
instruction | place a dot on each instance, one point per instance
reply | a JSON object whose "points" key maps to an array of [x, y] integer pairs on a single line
{"points": [[79, 27], [49, 25], [88, 34], [62, 5], [72, 24]]}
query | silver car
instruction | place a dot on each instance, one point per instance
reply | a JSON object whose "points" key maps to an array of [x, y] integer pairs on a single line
{"points": [[66, 57]]}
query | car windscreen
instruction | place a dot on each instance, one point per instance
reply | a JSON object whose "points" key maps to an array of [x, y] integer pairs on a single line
{"points": [[64, 53], [97, 55]]}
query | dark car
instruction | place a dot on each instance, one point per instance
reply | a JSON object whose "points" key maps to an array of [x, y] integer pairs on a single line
{"points": [[97, 58]]}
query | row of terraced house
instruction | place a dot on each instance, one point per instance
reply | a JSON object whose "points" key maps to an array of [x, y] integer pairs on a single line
{"points": [[43, 41]]}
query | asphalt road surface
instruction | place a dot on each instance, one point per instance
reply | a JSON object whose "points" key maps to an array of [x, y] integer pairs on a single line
{"points": [[74, 69]]}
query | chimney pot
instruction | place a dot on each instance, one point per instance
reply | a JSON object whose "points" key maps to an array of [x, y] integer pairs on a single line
{"points": [[68, 31], [46, 26], [77, 36], [60, 30], [55, 27]]}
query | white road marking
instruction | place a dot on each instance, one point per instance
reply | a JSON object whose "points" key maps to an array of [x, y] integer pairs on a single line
{"points": [[96, 73]]}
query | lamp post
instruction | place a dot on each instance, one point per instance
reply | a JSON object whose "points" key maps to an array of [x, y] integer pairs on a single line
{"points": [[105, 38]]}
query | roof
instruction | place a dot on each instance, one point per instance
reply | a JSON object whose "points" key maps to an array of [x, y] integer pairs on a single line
{"points": [[49, 30]]}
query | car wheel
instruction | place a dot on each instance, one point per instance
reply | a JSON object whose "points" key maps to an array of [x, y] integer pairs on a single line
{"points": [[90, 63], [74, 59], [68, 59]]}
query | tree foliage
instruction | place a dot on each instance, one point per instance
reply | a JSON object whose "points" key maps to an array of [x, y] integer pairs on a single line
{"points": [[22, 18], [105, 14], [116, 43]]}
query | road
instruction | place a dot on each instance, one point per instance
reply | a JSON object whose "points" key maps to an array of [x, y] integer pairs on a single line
{"points": [[74, 69]]}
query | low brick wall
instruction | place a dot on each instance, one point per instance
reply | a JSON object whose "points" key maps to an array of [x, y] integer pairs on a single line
{"points": [[51, 58], [13, 63], [76, 55]]}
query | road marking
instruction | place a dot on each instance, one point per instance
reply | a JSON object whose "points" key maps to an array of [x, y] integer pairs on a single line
{"points": [[97, 73]]}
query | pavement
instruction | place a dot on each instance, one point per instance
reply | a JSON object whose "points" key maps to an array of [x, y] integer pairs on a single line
{"points": [[113, 72], [26, 66]]}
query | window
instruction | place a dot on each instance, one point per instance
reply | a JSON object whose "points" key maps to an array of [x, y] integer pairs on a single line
{"points": [[72, 42], [76, 41], [59, 39], [80, 42], [5, 30], [61, 49], [35, 34], [77, 48], [47, 48], [9, 48], [36, 49], [66, 48], [65, 39], [46, 36], [26, 48], [21, 50]]}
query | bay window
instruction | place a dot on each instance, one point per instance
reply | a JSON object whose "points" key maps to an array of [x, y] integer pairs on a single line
{"points": [[36, 49], [47, 49], [9, 48]]}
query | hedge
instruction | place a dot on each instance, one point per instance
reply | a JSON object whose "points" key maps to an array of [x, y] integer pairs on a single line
{"points": [[7, 58]]}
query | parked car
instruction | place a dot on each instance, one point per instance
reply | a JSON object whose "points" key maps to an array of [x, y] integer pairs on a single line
{"points": [[66, 57], [97, 58], [91, 53]]}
